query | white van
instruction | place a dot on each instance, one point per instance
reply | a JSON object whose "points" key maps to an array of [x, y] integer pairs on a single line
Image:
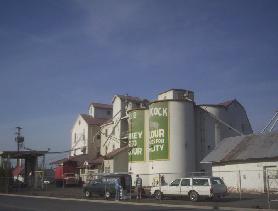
{"points": [[194, 187]]}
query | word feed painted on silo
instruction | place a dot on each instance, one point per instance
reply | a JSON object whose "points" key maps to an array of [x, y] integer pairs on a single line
{"points": [[158, 140], [136, 136]]}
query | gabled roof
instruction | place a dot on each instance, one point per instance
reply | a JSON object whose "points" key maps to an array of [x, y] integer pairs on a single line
{"points": [[227, 103], [116, 152], [93, 121], [101, 105], [224, 104], [245, 148]]}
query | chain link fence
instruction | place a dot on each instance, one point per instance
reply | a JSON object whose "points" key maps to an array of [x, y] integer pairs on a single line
{"points": [[239, 182]]}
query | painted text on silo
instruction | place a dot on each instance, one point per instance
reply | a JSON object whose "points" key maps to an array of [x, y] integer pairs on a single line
{"points": [[158, 137], [136, 136]]}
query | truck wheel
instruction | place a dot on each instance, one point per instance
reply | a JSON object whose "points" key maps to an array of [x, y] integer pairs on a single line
{"points": [[193, 196], [158, 195], [87, 194]]}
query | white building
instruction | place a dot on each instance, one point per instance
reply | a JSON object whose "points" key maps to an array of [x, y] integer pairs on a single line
{"points": [[174, 134], [114, 134], [214, 122], [169, 136], [245, 161], [85, 137]]}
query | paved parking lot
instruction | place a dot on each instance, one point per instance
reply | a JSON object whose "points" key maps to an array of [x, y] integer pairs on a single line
{"points": [[232, 200]]}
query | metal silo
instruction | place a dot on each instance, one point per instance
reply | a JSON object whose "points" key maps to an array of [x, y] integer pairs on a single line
{"points": [[171, 138]]}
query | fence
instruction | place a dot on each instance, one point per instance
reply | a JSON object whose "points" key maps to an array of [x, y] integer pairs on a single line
{"points": [[272, 186], [238, 181]]}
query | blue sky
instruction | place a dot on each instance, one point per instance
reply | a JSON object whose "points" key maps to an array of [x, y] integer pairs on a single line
{"points": [[56, 56]]}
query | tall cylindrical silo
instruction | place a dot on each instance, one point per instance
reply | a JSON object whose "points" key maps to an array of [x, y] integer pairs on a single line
{"points": [[138, 135], [171, 139]]}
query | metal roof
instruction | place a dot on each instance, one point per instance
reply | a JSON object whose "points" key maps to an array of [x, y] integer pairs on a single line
{"points": [[101, 105], [93, 121], [21, 154], [224, 104], [244, 148]]}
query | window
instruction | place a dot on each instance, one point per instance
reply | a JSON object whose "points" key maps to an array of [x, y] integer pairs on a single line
{"points": [[216, 181], [97, 181], [185, 182], [98, 137], [200, 182], [106, 132], [175, 182]]}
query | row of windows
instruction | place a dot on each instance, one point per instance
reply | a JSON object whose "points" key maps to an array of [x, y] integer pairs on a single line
{"points": [[186, 182], [196, 182]]}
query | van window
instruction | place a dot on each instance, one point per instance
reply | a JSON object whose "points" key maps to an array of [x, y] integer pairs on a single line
{"points": [[97, 181], [108, 180], [216, 181], [200, 182], [175, 182], [185, 182]]}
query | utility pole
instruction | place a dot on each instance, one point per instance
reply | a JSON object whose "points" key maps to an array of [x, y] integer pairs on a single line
{"points": [[19, 140]]}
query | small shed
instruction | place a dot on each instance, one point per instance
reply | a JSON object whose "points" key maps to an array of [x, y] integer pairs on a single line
{"points": [[30, 163], [248, 163]]}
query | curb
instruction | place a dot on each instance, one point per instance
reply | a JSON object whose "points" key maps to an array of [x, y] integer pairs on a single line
{"points": [[140, 204]]}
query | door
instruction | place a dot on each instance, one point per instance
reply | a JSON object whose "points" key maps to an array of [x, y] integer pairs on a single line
{"points": [[173, 188], [268, 174], [201, 185], [185, 186]]}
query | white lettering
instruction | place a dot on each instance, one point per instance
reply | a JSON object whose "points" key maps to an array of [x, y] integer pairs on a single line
{"points": [[158, 133], [159, 112], [135, 135], [156, 148], [136, 151]]}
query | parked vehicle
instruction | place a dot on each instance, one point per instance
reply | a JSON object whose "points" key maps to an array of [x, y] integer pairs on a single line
{"points": [[66, 174], [193, 187], [105, 185]]}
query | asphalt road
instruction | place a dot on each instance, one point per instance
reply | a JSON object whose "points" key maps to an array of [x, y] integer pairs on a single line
{"points": [[16, 203]]}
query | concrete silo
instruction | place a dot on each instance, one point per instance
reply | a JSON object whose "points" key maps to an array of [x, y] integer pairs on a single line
{"points": [[171, 138], [138, 157]]}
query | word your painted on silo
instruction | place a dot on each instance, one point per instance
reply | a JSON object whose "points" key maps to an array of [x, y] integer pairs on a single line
{"points": [[158, 141], [136, 136]]}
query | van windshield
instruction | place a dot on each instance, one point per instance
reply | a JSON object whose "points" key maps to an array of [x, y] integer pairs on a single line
{"points": [[216, 181]]}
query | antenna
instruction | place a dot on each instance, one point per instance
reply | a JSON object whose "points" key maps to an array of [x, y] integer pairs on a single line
{"points": [[19, 140]]}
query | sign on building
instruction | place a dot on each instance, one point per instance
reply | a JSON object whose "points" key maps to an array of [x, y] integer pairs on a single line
{"points": [[136, 136], [159, 131]]}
